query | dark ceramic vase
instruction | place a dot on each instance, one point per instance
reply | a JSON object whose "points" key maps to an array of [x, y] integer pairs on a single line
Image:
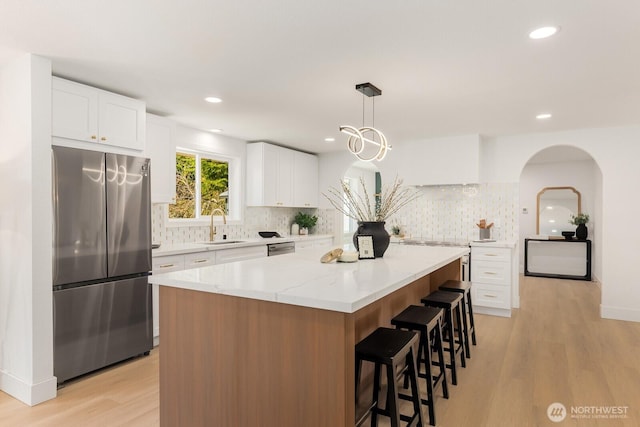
{"points": [[376, 230], [582, 232]]}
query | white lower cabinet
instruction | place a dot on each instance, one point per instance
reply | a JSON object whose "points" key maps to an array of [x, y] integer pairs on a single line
{"points": [[165, 264], [318, 243], [224, 256], [199, 259], [492, 275]]}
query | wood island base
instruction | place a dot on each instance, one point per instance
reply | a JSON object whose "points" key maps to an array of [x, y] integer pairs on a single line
{"points": [[237, 362]]}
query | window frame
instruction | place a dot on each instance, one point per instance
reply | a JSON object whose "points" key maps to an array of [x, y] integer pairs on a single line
{"points": [[234, 206]]}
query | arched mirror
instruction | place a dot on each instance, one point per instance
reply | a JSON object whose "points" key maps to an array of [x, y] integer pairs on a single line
{"points": [[373, 183], [555, 207]]}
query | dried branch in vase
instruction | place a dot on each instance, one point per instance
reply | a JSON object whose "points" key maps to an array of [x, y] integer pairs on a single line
{"points": [[358, 206]]}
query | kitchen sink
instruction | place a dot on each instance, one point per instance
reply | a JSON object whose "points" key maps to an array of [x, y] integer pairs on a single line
{"points": [[223, 242]]}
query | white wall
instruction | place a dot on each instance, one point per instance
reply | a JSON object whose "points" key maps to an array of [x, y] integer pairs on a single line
{"points": [[616, 152], [26, 330], [452, 160], [582, 175]]}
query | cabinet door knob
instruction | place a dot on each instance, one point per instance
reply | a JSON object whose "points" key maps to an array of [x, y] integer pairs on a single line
{"points": [[94, 137], [104, 138]]}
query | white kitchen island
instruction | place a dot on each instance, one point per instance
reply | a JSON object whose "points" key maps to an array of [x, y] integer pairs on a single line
{"points": [[270, 341]]}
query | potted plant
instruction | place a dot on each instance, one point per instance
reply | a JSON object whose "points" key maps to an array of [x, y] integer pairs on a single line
{"points": [[580, 221], [371, 214], [305, 221]]}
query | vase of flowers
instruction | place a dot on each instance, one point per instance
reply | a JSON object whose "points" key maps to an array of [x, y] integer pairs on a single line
{"points": [[580, 220], [371, 214]]}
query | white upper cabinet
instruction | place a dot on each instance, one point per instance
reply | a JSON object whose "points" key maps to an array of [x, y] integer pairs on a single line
{"points": [[278, 176], [285, 178], [161, 149], [84, 113], [74, 111], [305, 180]]}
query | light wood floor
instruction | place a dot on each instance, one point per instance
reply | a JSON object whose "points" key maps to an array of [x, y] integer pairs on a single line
{"points": [[555, 348]]}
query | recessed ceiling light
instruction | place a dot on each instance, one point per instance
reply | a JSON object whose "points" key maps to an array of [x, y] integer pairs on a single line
{"points": [[215, 130], [329, 139], [213, 99], [543, 32], [543, 116]]}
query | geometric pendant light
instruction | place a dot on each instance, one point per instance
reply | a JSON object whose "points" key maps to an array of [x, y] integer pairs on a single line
{"points": [[359, 137]]}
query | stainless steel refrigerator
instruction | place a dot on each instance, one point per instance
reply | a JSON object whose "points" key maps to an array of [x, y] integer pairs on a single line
{"points": [[101, 260]]}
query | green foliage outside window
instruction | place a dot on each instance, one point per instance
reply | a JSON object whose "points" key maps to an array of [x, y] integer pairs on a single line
{"points": [[214, 180]]}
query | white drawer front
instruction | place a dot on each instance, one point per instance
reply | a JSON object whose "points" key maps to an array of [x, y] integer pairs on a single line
{"points": [[199, 259], [495, 273], [238, 254], [166, 264], [490, 254], [491, 296]]}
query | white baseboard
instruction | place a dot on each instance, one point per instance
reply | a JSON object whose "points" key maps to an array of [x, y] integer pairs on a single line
{"points": [[491, 311], [31, 394], [619, 313]]}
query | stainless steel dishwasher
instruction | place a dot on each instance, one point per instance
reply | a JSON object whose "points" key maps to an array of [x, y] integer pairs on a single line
{"points": [[281, 248]]}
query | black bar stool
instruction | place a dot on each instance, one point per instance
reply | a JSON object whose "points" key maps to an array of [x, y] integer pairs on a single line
{"points": [[465, 289], [392, 348], [451, 303], [428, 322]]}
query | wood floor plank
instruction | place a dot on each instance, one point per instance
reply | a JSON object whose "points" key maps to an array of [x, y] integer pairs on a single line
{"points": [[555, 348]]}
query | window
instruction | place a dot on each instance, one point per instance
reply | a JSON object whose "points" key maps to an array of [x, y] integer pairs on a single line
{"points": [[202, 185]]}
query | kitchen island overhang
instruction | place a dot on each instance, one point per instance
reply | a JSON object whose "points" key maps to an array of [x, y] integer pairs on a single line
{"points": [[270, 341]]}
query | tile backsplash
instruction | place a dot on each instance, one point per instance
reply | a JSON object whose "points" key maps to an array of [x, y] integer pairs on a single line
{"points": [[255, 219], [450, 212], [444, 212]]}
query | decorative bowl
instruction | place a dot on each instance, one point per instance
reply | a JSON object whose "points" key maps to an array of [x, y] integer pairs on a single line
{"points": [[568, 234]]}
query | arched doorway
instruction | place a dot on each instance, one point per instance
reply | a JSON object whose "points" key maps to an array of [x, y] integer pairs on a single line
{"points": [[559, 166]]}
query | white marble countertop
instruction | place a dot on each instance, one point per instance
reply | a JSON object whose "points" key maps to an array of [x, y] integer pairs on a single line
{"points": [[301, 279], [494, 244], [186, 248]]}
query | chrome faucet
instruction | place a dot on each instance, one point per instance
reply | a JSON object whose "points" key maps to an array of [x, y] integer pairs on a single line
{"points": [[212, 230]]}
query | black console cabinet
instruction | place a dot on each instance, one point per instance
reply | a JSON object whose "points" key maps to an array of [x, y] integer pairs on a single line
{"points": [[560, 259]]}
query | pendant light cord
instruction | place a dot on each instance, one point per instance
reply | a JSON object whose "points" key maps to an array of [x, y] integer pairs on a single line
{"points": [[363, 110]]}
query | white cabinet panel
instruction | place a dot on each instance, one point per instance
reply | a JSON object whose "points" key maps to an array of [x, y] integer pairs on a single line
{"points": [[165, 264], [84, 113], [74, 112], [278, 176], [155, 303], [224, 256], [305, 180], [161, 149], [491, 254], [270, 180], [315, 243], [491, 296], [199, 259], [492, 274], [495, 273], [284, 183], [121, 121]]}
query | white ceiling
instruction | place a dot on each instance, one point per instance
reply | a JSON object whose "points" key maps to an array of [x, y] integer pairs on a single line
{"points": [[286, 69]]}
